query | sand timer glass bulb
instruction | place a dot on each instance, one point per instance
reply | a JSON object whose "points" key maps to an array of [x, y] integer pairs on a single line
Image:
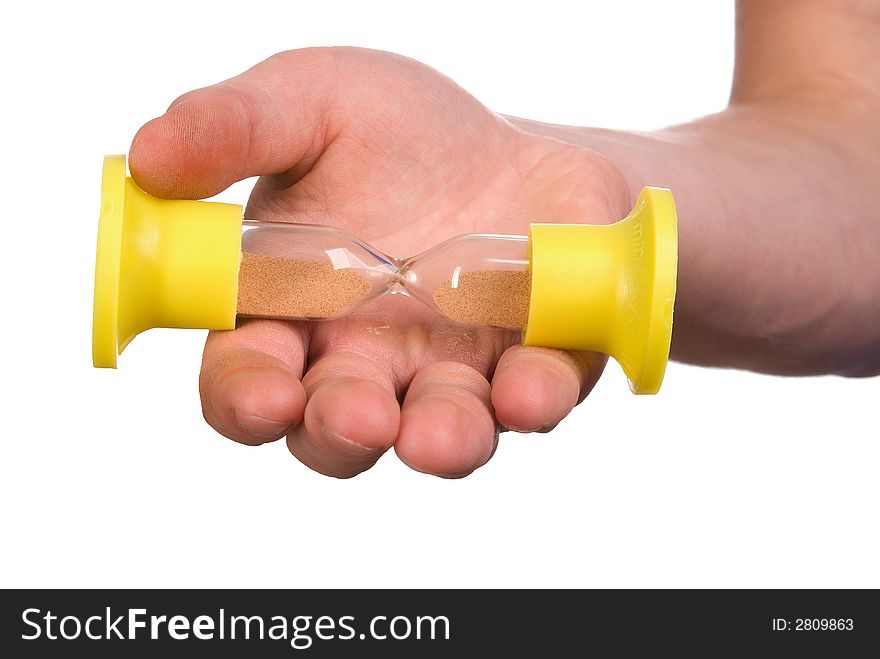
{"points": [[307, 272], [295, 271], [474, 279]]}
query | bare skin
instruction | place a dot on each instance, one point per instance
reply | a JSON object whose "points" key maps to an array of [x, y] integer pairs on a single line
{"points": [[777, 232]]}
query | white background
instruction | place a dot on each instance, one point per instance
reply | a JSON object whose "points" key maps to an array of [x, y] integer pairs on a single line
{"points": [[112, 478]]}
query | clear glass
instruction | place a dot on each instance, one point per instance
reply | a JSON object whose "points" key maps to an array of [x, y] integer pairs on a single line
{"points": [[474, 279], [299, 271]]}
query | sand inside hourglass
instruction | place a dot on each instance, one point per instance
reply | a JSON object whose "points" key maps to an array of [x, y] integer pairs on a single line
{"points": [[497, 298], [296, 288], [273, 286]]}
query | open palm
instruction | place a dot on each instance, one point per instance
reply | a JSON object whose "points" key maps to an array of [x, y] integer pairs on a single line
{"points": [[397, 154]]}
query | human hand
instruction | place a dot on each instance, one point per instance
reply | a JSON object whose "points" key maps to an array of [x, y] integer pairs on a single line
{"points": [[397, 154]]}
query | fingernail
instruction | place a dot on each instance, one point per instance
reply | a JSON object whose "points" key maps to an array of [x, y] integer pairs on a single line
{"points": [[520, 430], [495, 443], [345, 444], [259, 426]]}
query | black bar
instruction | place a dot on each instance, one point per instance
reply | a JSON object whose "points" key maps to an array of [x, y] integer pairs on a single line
{"points": [[834, 623]]}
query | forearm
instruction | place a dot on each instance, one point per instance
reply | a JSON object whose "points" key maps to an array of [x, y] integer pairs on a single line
{"points": [[778, 230], [776, 273]]}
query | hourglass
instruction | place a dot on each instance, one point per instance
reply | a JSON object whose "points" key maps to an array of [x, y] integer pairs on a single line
{"points": [[196, 264]]}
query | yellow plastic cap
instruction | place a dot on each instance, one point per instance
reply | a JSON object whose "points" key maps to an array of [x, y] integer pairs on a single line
{"points": [[160, 263], [609, 289]]}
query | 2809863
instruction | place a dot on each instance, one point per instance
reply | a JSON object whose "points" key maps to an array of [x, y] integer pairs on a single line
{"points": [[823, 624]]}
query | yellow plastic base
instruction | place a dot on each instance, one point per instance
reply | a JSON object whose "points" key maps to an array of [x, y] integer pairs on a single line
{"points": [[160, 263], [609, 289]]}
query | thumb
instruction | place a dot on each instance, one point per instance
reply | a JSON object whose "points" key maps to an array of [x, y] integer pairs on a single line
{"points": [[274, 118]]}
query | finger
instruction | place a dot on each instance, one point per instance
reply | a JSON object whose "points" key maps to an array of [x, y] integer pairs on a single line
{"points": [[270, 119], [351, 418], [446, 425], [249, 383], [533, 389]]}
